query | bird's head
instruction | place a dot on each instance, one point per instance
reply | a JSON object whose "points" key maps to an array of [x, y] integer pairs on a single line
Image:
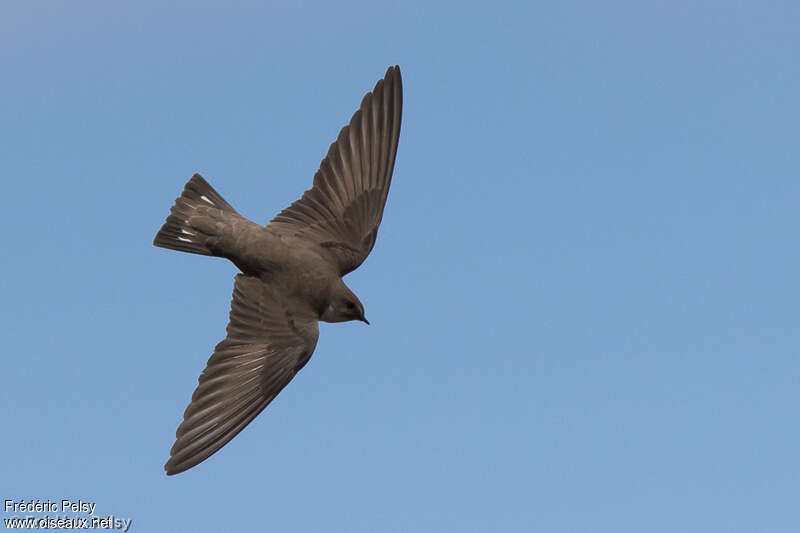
{"points": [[343, 305]]}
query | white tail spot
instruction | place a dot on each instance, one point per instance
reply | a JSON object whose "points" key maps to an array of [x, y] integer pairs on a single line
{"points": [[186, 232], [184, 239], [205, 198]]}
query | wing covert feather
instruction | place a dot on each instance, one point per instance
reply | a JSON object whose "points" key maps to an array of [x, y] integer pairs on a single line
{"points": [[343, 209], [268, 342]]}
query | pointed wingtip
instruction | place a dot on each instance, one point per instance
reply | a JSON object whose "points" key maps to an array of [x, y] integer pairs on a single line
{"points": [[170, 469], [393, 71]]}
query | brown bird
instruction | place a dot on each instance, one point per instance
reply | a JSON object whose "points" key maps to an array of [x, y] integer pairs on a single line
{"points": [[291, 268]]}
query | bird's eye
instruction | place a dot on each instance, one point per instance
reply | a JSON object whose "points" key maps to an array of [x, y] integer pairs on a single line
{"points": [[351, 305]]}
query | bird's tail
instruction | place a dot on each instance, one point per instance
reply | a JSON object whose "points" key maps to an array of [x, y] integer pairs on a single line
{"points": [[192, 225]]}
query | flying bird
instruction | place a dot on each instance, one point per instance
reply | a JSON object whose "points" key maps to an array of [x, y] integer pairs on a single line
{"points": [[291, 272]]}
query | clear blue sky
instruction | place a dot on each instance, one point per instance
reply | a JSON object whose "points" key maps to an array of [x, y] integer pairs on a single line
{"points": [[584, 294]]}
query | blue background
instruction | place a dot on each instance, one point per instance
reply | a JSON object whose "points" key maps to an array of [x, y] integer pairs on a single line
{"points": [[584, 294]]}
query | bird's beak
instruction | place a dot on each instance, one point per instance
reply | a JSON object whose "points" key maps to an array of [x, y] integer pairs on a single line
{"points": [[364, 319]]}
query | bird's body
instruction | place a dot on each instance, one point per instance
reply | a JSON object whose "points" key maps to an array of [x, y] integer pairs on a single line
{"points": [[291, 268], [286, 262]]}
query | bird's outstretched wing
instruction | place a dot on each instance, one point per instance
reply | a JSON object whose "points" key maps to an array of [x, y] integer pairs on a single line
{"points": [[269, 340], [342, 211]]}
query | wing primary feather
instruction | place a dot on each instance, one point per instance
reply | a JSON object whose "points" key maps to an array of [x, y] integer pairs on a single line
{"points": [[260, 355], [352, 181]]}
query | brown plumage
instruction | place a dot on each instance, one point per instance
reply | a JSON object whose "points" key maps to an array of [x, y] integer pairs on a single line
{"points": [[292, 272]]}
